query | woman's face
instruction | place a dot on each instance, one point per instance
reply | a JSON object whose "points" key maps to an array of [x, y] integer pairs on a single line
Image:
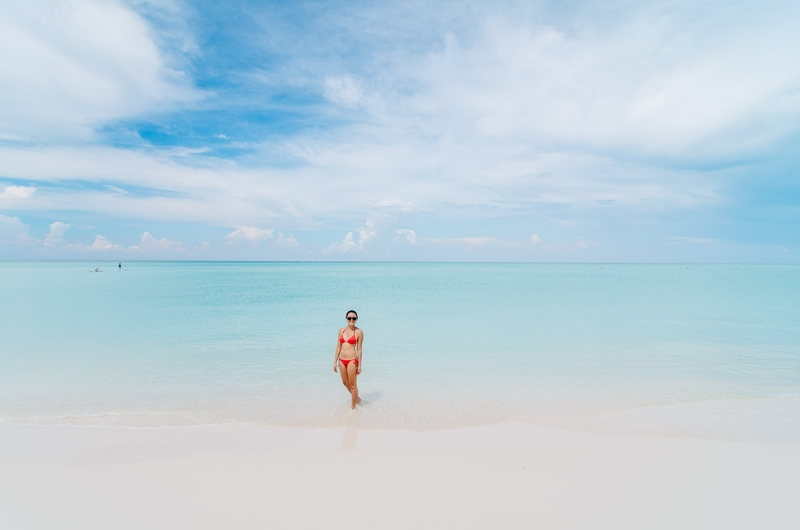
{"points": [[351, 319]]}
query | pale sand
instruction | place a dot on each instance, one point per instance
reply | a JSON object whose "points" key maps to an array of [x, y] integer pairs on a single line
{"points": [[507, 476]]}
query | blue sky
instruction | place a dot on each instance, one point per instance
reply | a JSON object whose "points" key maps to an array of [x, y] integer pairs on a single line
{"points": [[530, 131]]}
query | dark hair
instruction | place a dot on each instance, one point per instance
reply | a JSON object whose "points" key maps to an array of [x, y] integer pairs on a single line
{"points": [[351, 311]]}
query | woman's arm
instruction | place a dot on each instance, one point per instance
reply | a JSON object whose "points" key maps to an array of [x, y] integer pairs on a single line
{"points": [[336, 355], [360, 347]]}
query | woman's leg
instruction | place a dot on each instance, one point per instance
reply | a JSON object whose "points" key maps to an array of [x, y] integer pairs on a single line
{"points": [[345, 378], [352, 376]]}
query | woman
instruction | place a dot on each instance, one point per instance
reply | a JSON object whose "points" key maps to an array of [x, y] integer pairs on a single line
{"points": [[348, 354]]}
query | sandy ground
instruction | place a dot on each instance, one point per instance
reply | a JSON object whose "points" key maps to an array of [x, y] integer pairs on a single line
{"points": [[507, 476]]}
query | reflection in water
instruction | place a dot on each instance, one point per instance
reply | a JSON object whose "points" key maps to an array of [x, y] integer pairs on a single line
{"points": [[349, 439]]}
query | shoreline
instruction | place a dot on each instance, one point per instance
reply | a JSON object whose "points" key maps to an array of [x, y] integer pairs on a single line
{"points": [[745, 419], [513, 475]]}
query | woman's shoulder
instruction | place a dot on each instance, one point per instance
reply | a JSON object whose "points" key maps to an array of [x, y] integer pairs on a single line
{"points": [[358, 330]]}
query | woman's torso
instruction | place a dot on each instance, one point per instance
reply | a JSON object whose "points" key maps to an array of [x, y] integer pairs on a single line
{"points": [[349, 341]]}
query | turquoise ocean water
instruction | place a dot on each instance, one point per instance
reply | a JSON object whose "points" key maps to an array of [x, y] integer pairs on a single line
{"points": [[698, 350]]}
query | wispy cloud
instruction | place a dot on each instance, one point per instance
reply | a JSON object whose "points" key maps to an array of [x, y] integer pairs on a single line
{"points": [[343, 90], [70, 66], [248, 233], [700, 240], [510, 114], [395, 204]]}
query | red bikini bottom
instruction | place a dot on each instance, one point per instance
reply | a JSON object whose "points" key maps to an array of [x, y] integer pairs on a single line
{"points": [[345, 362]]}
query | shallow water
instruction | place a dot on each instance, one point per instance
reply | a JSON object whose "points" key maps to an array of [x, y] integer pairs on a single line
{"points": [[179, 343]]}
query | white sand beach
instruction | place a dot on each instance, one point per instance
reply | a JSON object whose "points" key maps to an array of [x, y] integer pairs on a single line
{"points": [[505, 476]]}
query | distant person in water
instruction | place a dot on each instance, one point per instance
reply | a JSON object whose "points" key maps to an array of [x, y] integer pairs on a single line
{"points": [[120, 265], [348, 354]]}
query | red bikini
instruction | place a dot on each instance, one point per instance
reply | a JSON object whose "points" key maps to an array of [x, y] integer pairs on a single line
{"points": [[345, 362], [351, 340]]}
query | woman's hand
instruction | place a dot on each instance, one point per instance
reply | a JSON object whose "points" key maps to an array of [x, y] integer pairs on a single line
{"points": [[335, 368], [359, 369]]}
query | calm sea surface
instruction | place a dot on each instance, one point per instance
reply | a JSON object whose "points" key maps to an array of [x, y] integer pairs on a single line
{"points": [[708, 350]]}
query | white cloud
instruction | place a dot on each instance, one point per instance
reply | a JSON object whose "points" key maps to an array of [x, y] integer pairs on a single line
{"points": [[147, 245], [408, 235], [248, 233], [343, 90], [366, 234], [70, 65], [17, 192], [100, 244], [203, 246], [150, 244], [13, 230], [211, 193], [349, 244], [56, 235], [642, 82], [509, 112], [287, 241], [534, 239]]}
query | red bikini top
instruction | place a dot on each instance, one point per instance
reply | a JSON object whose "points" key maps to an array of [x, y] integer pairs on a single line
{"points": [[351, 340]]}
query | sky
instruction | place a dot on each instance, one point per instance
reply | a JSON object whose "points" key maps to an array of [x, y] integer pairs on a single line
{"points": [[605, 131]]}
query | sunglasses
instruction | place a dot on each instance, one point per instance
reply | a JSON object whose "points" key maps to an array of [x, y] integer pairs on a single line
{"points": [[352, 318]]}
